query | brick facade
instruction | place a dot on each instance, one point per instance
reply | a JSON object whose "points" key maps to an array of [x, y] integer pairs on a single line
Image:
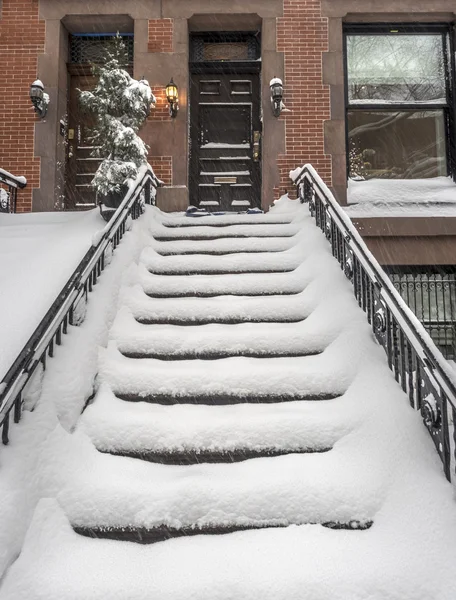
{"points": [[163, 168], [21, 41], [161, 110], [302, 35], [160, 35]]}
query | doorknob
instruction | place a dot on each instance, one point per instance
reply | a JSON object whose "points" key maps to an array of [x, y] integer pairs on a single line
{"points": [[256, 145]]}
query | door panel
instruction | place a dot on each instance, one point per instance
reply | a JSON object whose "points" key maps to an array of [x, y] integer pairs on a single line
{"points": [[224, 134], [81, 165]]}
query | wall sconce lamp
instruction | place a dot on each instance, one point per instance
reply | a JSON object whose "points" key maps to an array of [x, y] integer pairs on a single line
{"points": [[276, 86], [173, 98], [39, 98]]}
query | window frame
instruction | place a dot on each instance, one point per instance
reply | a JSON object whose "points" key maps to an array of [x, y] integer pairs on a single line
{"points": [[446, 31]]}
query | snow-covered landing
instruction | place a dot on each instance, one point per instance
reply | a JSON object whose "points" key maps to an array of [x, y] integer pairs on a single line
{"points": [[380, 464], [433, 197], [38, 254]]}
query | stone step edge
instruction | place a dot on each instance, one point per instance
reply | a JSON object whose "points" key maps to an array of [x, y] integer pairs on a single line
{"points": [[186, 322], [224, 399], [216, 355], [142, 535], [193, 457], [192, 272], [200, 222]]}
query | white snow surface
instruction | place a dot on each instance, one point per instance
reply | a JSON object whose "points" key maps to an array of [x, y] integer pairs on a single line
{"points": [[381, 465], [435, 196], [38, 253]]}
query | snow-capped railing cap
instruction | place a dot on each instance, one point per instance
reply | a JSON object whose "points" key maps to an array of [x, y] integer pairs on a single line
{"points": [[14, 180]]}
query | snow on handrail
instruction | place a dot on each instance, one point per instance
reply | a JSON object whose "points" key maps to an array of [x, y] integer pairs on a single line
{"points": [[62, 312], [415, 360], [13, 180]]}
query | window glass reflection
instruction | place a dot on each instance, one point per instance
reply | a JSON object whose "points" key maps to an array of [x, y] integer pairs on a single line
{"points": [[395, 68], [396, 144]]}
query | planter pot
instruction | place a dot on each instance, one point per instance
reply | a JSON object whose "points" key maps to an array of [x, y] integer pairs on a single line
{"points": [[110, 202]]}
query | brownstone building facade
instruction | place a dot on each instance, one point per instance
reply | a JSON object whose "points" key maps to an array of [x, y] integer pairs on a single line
{"points": [[303, 42]]}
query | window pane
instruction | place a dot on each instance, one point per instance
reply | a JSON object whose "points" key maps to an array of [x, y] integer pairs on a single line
{"points": [[396, 144], [390, 68]]}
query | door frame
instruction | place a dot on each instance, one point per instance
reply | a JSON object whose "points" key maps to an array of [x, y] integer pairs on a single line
{"points": [[226, 68]]}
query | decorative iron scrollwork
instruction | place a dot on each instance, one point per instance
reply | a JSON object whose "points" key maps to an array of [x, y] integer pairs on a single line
{"points": [[4, 201], [379, 321], [431, 413], [328, 225], [348, 266]]}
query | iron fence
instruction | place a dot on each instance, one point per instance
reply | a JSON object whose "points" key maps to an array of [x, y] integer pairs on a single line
{"points": [[431, 294], [9, 184], [413, 357], [64, 311]]}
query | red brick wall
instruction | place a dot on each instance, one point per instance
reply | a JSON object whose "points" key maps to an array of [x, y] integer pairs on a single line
{"points": [[302, 36], [161, 110], [160, 35], [21, 41], [163, 168]]}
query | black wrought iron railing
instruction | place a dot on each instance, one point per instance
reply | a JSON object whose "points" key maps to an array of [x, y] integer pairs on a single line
{"points": [[431, 294], [65, 312], [416, 362], [9, 184]]}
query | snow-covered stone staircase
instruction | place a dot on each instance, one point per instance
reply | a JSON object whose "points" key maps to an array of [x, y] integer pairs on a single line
{"points": [[242, 393]]}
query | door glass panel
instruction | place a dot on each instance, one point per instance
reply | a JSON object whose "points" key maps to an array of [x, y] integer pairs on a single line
{"points": [[395, 68], [396, 144]]}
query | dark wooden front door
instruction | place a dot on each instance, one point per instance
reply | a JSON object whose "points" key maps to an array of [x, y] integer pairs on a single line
{"points": [[225, 139], [81, 165]]}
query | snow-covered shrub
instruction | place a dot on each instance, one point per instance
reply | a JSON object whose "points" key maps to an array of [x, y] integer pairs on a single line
{"points": [[120, 105]]}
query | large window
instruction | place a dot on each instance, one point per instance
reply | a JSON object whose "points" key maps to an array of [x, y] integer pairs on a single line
{"points": [[397, 102]]}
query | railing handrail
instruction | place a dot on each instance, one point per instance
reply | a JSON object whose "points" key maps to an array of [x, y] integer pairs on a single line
{"points": [[423, 341], [12, 180], [84, 275], [412, 354]]}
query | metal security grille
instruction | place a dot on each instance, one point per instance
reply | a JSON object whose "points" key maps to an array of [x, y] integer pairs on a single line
{"points": [[431, 294], [87, 48], [223, 46]]}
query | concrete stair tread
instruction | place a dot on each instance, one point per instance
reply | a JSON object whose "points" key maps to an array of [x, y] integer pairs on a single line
{"points": [[117, 426], [291, 282], [196, 311]]}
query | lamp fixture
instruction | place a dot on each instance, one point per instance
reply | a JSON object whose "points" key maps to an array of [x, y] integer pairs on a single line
{"points": [[39, 98], [276, 86], [172, 96]]}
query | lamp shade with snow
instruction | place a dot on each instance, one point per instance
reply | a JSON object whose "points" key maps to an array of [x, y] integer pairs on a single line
{"points": [[276, 87], [172, 95]]}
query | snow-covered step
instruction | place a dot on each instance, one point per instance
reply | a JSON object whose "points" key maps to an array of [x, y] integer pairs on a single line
{"points": [[171, 342], [229, 380], [112, 492], [227, 219], [209, 232], [257, 284], [218, 309], [185, 433], [236, 263], [223, 246]]}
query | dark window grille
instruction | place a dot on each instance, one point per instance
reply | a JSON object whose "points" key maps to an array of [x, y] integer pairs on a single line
{"points": [[225, 46], [431, 294], [87, 48]]}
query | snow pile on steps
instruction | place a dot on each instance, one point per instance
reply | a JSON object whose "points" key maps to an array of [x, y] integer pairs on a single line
{"points": [[67, 384], [382, 464]]}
